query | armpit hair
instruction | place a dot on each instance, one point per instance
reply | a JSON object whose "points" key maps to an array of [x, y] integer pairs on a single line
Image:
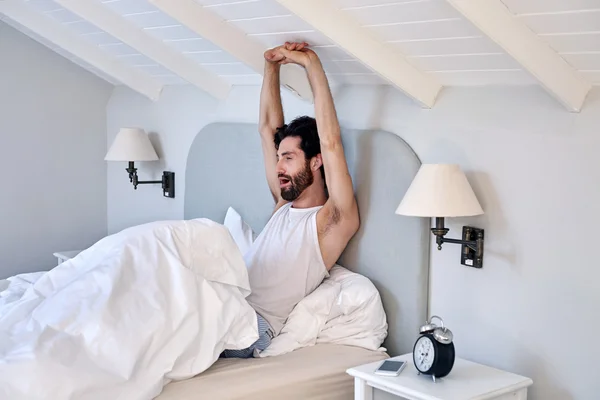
{"points": [[333, 218]]}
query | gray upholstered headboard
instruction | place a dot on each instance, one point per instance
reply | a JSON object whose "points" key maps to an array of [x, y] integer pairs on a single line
{"points": [[225, 168]]}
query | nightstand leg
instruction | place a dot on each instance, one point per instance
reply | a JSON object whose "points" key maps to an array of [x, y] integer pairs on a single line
{"points": [[362, 391]]}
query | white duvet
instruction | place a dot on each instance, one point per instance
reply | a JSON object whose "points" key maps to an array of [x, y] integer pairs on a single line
{"points": [[151, 304], [156, 303]]}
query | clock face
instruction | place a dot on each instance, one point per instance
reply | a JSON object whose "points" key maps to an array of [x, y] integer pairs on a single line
{"points": [[424, 354]]}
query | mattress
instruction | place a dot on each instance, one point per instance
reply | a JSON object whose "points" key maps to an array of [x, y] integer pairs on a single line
{"points": [[315, 372]]}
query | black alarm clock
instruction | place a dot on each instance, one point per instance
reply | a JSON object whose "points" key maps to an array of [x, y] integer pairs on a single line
{"points": [[433, 352]]}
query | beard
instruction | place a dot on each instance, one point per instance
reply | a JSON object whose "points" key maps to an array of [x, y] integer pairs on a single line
{"points": [[298, 183]]}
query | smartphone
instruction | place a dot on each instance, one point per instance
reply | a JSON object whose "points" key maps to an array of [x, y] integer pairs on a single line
{"points": [[390, 368]]}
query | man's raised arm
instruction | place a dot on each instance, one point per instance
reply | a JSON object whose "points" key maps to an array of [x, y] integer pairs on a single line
{"points": [[338, 220], [271, 118], [342, 208]]}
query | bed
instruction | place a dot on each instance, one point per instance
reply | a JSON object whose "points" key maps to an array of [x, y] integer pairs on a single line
{"points": [[225, 169]]}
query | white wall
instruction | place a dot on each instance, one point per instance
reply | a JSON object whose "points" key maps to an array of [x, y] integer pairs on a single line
{"points": [[536, 171], [53, 140]]}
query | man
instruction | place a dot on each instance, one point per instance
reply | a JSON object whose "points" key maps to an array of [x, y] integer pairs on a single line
{"points": [[315, 214]]}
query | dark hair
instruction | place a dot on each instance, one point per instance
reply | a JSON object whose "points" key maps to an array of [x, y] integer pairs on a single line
{"points": [[305, 128]]}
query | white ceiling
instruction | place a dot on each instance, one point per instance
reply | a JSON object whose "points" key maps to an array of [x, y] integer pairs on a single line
{"points": [[433, 36]]}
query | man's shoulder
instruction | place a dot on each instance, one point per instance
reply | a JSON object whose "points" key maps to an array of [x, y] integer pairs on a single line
{"points": [[280, 206]]}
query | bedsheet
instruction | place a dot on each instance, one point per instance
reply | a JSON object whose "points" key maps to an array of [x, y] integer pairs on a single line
{"points": [[311, 373], [151, 304]]}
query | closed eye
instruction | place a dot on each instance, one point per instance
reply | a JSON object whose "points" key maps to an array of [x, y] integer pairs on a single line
{"points": [[287, 155]]}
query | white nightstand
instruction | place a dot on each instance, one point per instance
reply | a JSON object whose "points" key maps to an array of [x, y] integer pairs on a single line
{"points": [[467, 380], [63, 256]]}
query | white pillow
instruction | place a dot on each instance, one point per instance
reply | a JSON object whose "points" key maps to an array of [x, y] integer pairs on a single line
{"points": [[242, 232], [357, 317], [345, 309]]}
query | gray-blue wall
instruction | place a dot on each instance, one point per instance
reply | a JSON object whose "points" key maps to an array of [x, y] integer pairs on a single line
{"points": [[52, 143]]}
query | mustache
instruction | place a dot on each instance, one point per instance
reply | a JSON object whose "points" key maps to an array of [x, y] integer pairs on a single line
{"points": [[289, 178]]}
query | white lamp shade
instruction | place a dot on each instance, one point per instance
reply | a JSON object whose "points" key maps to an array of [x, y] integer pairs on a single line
{"points": [[439, 190], [131, 144]]}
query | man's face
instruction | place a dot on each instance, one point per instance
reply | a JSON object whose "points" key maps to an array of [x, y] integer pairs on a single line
{"points": [[293, 169]]}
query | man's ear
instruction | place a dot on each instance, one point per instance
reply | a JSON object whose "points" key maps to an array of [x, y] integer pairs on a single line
{"points": [[316, 162]]}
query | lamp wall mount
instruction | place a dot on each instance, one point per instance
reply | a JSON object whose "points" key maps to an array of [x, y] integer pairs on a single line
{"points": [[471, 253], [167, 181]]}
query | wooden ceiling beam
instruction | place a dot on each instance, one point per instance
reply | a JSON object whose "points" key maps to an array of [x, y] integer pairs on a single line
{"points": [[117, 26], [553, 73], [383, 58], [61, 36], [233, 40]]}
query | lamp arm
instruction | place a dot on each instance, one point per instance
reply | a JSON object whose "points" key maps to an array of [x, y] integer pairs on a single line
{"points": [[475, 245], [471, 243], [167, 181], [143, 182]]}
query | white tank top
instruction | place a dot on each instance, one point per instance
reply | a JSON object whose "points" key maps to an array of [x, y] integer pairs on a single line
{"points": [[285, 263]]}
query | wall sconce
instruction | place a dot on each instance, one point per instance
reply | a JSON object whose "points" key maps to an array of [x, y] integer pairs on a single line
{"points": [[439, 191], [133, 144]]}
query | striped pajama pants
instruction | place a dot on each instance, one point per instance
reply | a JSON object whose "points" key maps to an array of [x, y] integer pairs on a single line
{"points": [[265, 334]]}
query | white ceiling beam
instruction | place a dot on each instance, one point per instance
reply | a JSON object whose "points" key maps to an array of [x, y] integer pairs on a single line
{"points": [[560, 79], [61, 36], [117, 26], [382, 58], [233, 40]]}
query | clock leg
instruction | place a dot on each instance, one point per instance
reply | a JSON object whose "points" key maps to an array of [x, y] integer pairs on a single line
{"points": [[362, 391]]}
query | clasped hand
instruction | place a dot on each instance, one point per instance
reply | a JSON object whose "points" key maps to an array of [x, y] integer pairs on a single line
{"points": [[294, 53]]}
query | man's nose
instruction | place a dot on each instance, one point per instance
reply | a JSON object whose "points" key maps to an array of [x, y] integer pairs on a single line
{"points": [[279, 168]]}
